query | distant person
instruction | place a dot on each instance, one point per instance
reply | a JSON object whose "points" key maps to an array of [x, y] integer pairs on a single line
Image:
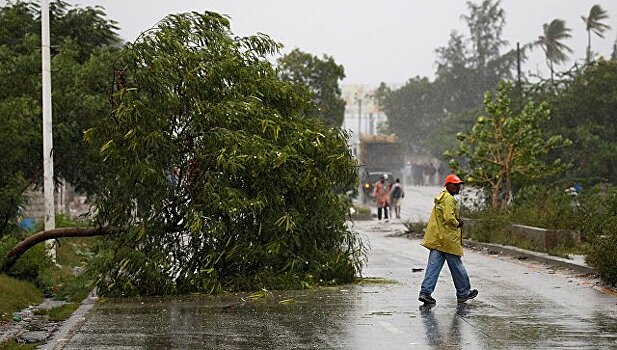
{"points": [[432, 179], [397, 193], [441, 171], [381, 192], [443, 237], [417, 174], [426, 173]]}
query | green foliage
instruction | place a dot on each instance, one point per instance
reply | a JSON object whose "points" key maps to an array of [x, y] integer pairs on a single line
{"points": [[584, 113], [60, 281], [214, 178], [32, 266], [551, 41], [504, 147], [599, 223], [82, 43], [59, 313], [415, 227], [467, 72], [489, 225], [547, 207], [362, 213], [14, 345], [550, 207], [413, 111], [593, 23], [321, 77], [16, 295]]}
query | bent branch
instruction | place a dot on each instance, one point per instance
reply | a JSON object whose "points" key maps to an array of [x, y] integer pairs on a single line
{"points": [[39, 237]]}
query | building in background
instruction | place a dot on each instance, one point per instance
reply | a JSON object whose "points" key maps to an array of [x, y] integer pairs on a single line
{"points": [[362, 114]]}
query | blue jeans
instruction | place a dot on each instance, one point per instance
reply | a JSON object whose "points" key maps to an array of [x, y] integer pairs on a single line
{"points": [[457, 270]]}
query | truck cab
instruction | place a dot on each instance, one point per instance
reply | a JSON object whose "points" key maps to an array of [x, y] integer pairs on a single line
{"points": [[368, 182]]}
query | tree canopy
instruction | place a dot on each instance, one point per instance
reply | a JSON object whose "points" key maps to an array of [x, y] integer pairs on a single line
{"points": [[215, 178], [82, 44], [552, 42], [466, 68], [584, 112], [504, 146], [321, 77], [594, 23]]}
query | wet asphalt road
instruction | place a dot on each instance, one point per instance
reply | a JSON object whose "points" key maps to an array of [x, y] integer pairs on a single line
{"points": [[521, 305]]}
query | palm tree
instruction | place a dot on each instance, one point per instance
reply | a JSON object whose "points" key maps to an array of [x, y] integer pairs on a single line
{"points": [[593, 23], [551, 42]]}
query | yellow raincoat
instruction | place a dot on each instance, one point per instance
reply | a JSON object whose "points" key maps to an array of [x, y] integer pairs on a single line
{"points": [[442, 232]]}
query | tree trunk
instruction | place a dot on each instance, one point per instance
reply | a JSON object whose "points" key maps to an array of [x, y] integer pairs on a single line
{"points": [[42, 236], [507, 194], [495, 189]]}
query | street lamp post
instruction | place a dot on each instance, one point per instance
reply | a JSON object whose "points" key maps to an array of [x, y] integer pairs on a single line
{"points": [[48, 161], [359, 117]]}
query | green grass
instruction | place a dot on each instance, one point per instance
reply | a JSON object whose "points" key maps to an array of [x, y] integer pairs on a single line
{"points": [[495, 229], [362, 213], [16, 295], [417, 227], [13, 345], [59, 313], [46, 278]]}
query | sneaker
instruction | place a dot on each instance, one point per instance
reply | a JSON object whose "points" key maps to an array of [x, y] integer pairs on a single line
{"points": [[427, 299], [472, 294]]}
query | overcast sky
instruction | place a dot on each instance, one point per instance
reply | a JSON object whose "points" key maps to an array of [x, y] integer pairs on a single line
{"points": [[375, 40]]}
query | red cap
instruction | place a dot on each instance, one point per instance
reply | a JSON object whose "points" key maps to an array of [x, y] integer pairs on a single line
{"points": [[452, 179]]}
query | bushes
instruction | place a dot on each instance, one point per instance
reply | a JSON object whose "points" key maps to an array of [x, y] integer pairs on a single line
{"points": [[600, 228], [31, 267], [36, 267], [595, 218], [544, 207], [215, 178]]}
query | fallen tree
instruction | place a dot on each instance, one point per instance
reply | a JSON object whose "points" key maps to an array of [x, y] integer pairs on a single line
{"points": [[215, 173]]}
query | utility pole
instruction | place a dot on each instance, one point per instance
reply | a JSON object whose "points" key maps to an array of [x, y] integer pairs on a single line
{"points": [[358, 98], [359, 117], [519, 87], [48, 160]]}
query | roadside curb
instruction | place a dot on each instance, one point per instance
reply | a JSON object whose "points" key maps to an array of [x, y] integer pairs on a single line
{"points": [[545, 258], [60, 338], [579, 267]]}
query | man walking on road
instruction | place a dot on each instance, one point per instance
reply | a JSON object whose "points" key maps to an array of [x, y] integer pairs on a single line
{"points": [[443, 237], [396, 195], [381, 192]]}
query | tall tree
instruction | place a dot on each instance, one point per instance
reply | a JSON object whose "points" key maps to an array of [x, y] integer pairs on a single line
{"points": [[83, 42], [584, 112], [469, 67], [593, 23], [215, 179], [412, 110], [551, 41], [504, 146], [466, 68], [321, 77]]}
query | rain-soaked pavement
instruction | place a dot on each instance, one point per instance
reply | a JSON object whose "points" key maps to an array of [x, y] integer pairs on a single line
{"points": [[521, 305]]}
